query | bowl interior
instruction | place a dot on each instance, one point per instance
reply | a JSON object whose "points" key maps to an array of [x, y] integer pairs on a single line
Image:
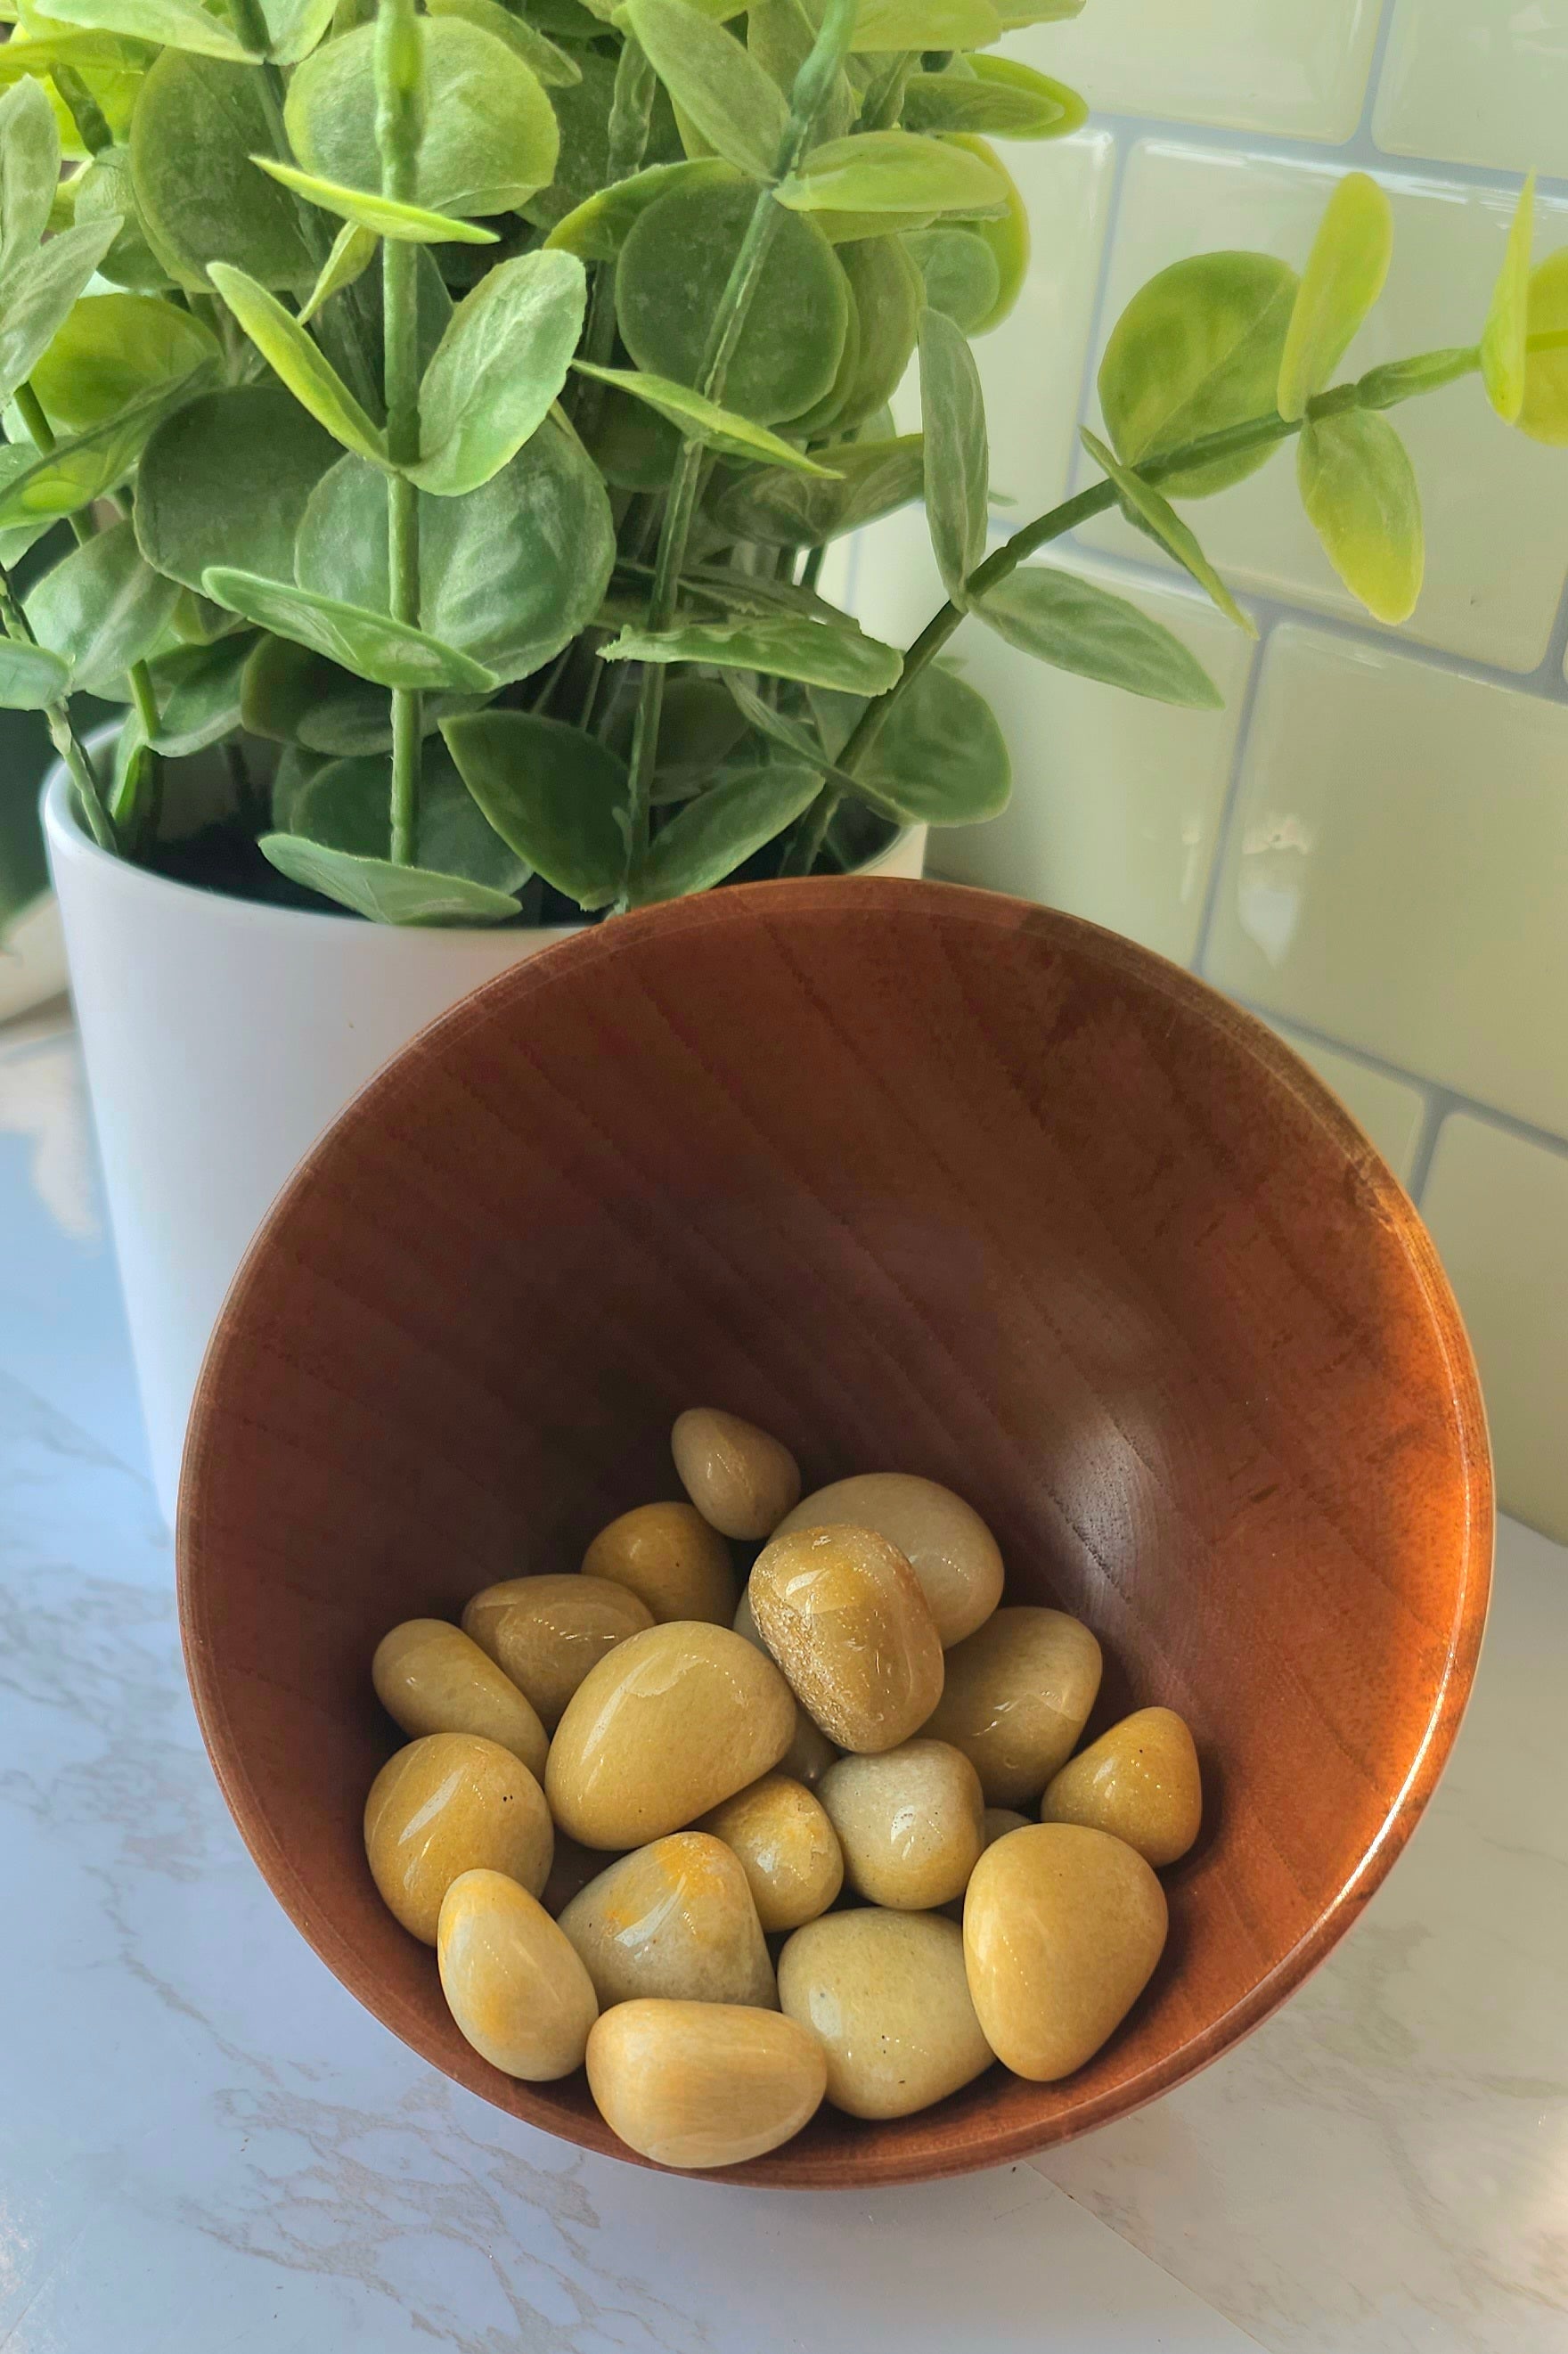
{"points": [[920, 1179]]}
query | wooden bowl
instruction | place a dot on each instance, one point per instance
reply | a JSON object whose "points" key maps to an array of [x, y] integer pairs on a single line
{"points": [[921, 1179]]}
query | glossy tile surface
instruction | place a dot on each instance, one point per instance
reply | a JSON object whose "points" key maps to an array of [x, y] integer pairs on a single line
{"points": [[1296, 66], [1393, 874], [1389, 1111], [1498, 1207], [1495, 504], [1476, 82]]}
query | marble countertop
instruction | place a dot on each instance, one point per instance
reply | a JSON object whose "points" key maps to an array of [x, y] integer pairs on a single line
{"points": [[206, 2144]]}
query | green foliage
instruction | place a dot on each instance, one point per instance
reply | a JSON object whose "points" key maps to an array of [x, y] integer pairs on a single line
{"points": [[478, 402]]}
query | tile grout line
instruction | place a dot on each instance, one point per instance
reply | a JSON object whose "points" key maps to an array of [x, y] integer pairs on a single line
{"points": [[1362, 138], [1231, 804], [1440, 1102]]}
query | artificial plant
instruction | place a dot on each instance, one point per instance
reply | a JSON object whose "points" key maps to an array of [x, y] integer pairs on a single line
{"points": [[451, 408]]}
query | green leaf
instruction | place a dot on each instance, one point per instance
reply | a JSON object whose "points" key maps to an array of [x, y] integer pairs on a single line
{"points": [[703, 420], [553, 67], [733, 102], [819, 654], [598, 227], [891, 171], [99, 53], [1005, 234], [197, 124], [102, 608], [17, 538], [490, 134], [885, 298], [508, 574], [1505, 358], [796, 739], [78, 471], [385, 892], [1144, 506], [353, 251], [382, 216], [37, 295], [582, 159], [1544, 413], [998, 95], [556, 796], [699, 727], [198, 690], [1196, 350], [1076, 626], [1344, 277], [105, 190], [722, 829], [781, 35], [113, 349], [302, 366], [960, 274], [1359, 489], [883, 25], [958, 458], [347, 805], [294, 28], [30, 677], [940, 760], [372, 645], [225, 480], [498, 369], [30, 172], [670, 278], [1015, 12], [178, 24]]}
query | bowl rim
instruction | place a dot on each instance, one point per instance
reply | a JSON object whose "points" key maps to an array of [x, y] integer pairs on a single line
{"points": [[863, 899]]}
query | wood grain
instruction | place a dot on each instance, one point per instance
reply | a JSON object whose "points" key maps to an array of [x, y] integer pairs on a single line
{"points": [[921, 1179]]}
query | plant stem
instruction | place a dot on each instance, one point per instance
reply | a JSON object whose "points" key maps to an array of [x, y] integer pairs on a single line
{"points": [[399, 91], [1257, 433], [812, 86], [630, 117], [83, 109], [61, 726]]}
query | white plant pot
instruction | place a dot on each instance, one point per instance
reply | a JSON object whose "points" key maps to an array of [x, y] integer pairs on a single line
{"points": [[220, 1037]]}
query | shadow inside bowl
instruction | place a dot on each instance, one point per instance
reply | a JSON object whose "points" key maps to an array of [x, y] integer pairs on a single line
{"points": [[920, 1179]]}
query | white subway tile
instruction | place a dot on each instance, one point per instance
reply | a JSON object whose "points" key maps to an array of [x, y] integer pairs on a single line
{"points": [[1395, 868], [1496, 505], [1476, 82], [1498, 1208], [1117, 801], [1299, 67], [1389, 1111], [1032, 366]]}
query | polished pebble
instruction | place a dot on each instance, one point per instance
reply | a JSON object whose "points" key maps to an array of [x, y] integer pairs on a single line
{"points": [[740, 1479], [810, 1753], [449, 1803], [571, 1869], [1063, 1927], [909, 1823], [546, 1633], [514, 1984], [995, 1823], [674, 1719], [1016, 1698], [704, 2083], [1139, 1781], [886, 1996], [845, 1616], [667, 1555], [675, 1920], [786, 1847], [944, 1540], [430, 1676]]}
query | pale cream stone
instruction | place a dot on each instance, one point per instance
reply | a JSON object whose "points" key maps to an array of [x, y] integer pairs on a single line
{"points": [[1016, 1698], [944, 1540], [909, 1822], [886, 1996], [675, 1920], [741, 1480]]}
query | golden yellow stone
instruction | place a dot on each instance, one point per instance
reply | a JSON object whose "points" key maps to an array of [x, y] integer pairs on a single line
{"points": [[741, 1480], [810, 1753], [1139, 1781], [667, 1555], [886, 1996], [909, 1823], [546, 1633], [513, 1982], [450, 1803], [704, 2083], [1063, 1927], [845, 1616], [674, 1719], [675, 1920], [786, 1847], [995, 1823], [430, 1676], [944, 1540], [1015, 1700]]}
